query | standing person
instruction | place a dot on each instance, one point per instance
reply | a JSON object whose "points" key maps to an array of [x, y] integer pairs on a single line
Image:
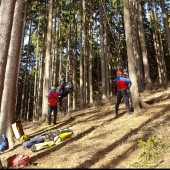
{"points": [[52, 104], [121, 86], [126, 75]]}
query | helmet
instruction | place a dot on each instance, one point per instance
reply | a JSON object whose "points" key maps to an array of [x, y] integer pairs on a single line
{"points": [[62, 79], [52, 88], [124, 70], [119, 72]]}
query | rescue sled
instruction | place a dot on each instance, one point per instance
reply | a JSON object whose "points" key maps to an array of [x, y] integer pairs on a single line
{"points": [[60, 135], [39, 146]]}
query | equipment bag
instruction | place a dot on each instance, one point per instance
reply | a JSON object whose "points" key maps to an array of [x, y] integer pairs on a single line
{"points": [[29, 143], [3, 142], [67, 130], [17, 161], [24, 138], [18, 129], [61, 135], [68, 86]]}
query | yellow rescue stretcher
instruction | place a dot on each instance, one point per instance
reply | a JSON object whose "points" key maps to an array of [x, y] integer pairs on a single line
{"points": [[61, 135]]}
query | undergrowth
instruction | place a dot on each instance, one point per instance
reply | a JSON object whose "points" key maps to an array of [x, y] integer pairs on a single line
{"points": [[153, 150]]}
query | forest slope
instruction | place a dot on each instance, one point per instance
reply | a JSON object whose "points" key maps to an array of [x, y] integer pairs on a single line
{"points": [[100, 140]]}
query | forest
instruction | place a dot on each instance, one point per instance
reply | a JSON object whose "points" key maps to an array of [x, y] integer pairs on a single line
{"points": [[86, 41]]}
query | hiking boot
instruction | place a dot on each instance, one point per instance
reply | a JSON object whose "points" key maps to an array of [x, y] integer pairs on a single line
{"points": [[116, 115]]}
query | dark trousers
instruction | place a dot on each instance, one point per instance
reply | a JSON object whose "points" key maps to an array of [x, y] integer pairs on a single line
{"points": [[60, 102], [50, 110], [129, 95], [122, 93]]}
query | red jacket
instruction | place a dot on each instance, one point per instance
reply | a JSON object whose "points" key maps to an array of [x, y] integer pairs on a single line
{"points": [[52, 98], [122, 83]]}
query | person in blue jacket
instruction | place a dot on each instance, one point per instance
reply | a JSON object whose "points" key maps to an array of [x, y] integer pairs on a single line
{"points": [[122, 87], [126, 75]]}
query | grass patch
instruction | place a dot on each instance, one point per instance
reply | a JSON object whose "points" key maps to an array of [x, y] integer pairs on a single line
{"points": [[153, 150]]}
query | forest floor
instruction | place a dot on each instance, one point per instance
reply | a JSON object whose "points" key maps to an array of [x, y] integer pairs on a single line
{"points": [[102, 141]]}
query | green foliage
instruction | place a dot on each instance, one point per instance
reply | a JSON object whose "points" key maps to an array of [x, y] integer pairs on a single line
{"points": [[152, 151]]}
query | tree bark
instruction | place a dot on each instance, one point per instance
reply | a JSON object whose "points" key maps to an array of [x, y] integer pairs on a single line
{"points": [[47, 81], [90, 56], [144, 50], [6, 20], [85, 51], [166, 27], [36, 77], [75, 65], [158, 47], [81, 59], [136, 49], [103, 63], [11, 75], [131, 60]]}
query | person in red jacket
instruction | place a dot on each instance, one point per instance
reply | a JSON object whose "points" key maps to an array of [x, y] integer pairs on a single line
{"points": [[122, 87], [52, 104]]}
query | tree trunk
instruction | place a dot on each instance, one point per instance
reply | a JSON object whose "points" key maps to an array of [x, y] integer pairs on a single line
{"points": [[11, 75], [85, 51], [103, 63], [136, 48], [46, 81], [6, 19], [41, 71], [56, 46], [106, 50], [75, 66], [143, 49], [39, 94], [131, 61], [29, 99], [25, 79], [68, 73], [81, 59], [36, 77], [158, 48], [90, 55], [166, 27]]}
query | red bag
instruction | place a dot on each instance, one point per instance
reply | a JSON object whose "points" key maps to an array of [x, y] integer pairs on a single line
{"points": [[17, 161], [18, 129]]}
